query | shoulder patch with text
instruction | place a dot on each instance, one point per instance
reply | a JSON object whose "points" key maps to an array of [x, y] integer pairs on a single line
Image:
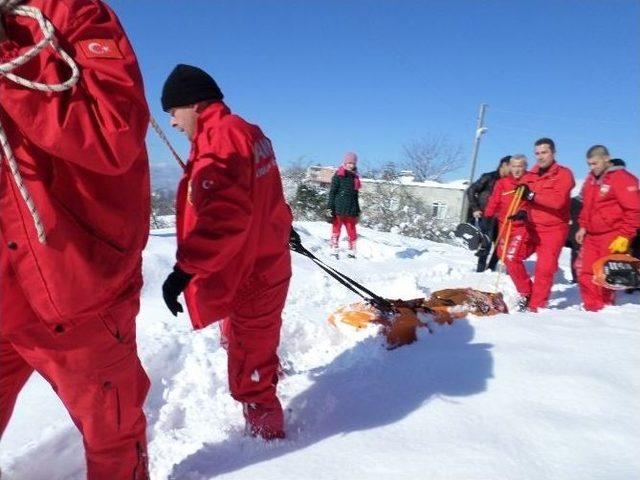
{"points": [[100, 48]]}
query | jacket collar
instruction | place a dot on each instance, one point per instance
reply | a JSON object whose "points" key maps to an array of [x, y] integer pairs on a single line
{"points": [[211, 115], [551, 170], [598, 180], [614, 168]]}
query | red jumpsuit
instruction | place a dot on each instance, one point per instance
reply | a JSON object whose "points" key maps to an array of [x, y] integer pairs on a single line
{"points": [[233, 234], [68, 307], [519, 246], [611, 208], [548, 226]]}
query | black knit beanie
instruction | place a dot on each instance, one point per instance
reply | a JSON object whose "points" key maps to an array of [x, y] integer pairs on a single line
{"points": [[187, 85]]}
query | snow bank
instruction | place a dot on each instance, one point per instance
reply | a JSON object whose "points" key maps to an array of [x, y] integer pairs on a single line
{"points": [[522, 396]]}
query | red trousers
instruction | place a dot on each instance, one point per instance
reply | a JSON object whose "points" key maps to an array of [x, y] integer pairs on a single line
{"points": [[518, 250], [350, 224], [594, 247], [94, 369], [252, 336], [547, 243]]}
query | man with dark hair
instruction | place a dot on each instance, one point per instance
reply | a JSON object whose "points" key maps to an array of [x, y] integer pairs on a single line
{"points": [[547, 189], [233, 226], [478, 195], [74, 197], [546, 141], [609, 220]]}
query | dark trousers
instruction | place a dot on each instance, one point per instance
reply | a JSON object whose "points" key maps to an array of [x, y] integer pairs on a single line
{"points": [[575, 250], [489, 227]]}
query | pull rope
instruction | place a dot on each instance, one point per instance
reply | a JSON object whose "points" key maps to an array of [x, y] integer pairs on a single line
{"points": [[6, 69], [166, 141], [377, 301]]}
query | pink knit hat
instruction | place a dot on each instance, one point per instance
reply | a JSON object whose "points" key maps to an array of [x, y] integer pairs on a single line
{"points": [[350, 157]]}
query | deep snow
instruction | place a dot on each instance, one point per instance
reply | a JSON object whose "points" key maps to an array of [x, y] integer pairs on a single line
{"points": [[520, 396]]}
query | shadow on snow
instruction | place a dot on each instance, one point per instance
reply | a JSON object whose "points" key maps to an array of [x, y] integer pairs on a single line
{"points": [[363, 388]]}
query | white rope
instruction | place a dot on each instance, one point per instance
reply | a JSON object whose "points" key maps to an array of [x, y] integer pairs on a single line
{"points": [[8, 7]]}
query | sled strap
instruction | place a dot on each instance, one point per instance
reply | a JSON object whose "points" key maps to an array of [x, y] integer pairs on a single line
{"points": [[513, 207], [376, 300], [48, 32]]}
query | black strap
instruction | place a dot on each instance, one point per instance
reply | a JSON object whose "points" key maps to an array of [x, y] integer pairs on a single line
{"points": [[377, 301]]}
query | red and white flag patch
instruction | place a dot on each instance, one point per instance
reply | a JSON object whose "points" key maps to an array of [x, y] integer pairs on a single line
{"points": [[100, 48]]}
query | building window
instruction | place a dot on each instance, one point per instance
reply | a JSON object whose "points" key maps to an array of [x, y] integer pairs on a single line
{"points": [[439, 210]]}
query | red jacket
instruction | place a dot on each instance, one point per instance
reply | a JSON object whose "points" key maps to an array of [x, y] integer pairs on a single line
{"points": [[550, 205], [611, 203], [233, 223], [501, 197], [82, 155]]}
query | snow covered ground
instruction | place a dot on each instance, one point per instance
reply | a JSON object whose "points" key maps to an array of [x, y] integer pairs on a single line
{"points": [[519, 396]]}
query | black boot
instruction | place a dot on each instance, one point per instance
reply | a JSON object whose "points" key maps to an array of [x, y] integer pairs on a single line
{"points": [[482, 260], [493, 262], [523, 303]]}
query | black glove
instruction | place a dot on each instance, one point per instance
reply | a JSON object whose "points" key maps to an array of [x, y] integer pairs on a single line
{"points": [[527, 194], [173, 286], [519, 215], [295, 243]]}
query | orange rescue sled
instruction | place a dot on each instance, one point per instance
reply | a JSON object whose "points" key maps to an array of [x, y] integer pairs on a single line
{"points": [[443, 306], [618, 271]]}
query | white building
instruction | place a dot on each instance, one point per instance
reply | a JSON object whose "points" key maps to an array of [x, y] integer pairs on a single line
{"points": [[444, 199]]}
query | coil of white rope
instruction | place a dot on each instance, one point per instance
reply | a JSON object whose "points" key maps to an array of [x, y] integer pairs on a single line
{"points": [[8, 7]]}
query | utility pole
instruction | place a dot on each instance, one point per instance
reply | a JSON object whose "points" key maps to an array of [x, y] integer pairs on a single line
{"points": [[480, 130]]}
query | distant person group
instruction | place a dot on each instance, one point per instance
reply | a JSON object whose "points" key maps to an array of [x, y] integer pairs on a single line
{"points": [[605, 219], [75, 201]]}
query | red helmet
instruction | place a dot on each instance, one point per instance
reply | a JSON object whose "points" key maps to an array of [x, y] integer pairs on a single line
{"points": [[617, 272]]}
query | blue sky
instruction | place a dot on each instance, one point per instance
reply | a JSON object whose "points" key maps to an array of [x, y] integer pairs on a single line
{"points": [[325, 77]]}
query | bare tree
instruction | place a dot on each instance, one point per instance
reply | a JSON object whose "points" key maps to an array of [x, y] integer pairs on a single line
{"points": [[431, 158], [162, 208], [389, 206], [307, 199], [293, 176]]}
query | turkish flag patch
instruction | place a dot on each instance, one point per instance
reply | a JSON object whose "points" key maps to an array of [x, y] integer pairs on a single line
{"points": [[100, 48]]}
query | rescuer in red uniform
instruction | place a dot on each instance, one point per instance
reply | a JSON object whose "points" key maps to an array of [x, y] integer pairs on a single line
{"points": [[233, 226], [547, 190], [609, 219], [75, 218]]}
